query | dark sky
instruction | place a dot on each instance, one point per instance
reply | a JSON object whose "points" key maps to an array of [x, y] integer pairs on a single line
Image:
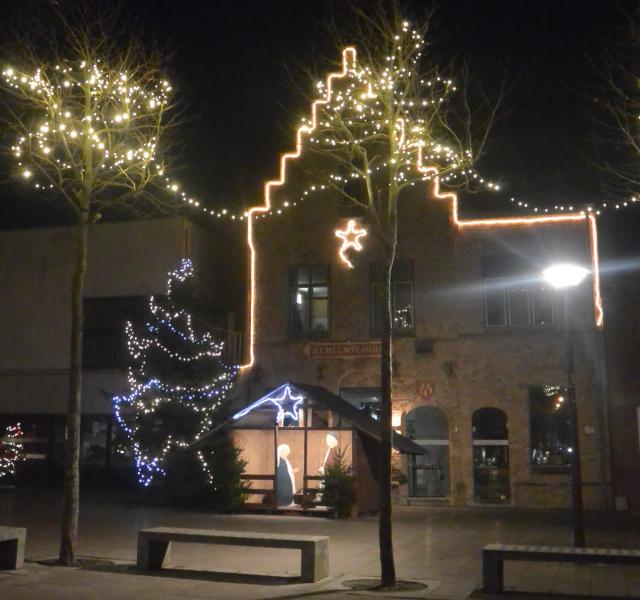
{"points": [[237, 73], [235, 64]]}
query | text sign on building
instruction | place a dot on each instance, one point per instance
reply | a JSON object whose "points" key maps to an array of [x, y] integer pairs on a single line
{"points": [[342, 350]]}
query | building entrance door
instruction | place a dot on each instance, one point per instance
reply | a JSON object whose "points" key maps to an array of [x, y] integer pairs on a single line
{"points": [[428, 426], [490, 456]]}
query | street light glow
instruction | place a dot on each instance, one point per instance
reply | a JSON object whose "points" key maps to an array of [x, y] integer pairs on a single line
{"points": [[565, 275]]}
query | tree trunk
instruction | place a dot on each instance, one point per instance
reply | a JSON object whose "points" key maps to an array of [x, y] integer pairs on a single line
{"points": [[69, 533], [387, 563]]}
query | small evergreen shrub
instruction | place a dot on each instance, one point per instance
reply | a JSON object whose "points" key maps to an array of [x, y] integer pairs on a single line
{"points": [[338, 486]]}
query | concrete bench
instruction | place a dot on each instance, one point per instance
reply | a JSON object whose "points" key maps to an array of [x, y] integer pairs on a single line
{"points": [[494, 555], [12, 541], [154, 545]]}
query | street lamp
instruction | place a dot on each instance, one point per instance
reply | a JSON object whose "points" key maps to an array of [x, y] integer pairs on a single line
{"points": [[563, 277]]}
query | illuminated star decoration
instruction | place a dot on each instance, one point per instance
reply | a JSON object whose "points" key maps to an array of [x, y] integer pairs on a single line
{"points": [[350, 239], [282, 398]]}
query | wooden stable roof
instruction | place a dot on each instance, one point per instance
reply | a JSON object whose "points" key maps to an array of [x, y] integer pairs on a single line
{"points": [[323, 398], [358, 418]]}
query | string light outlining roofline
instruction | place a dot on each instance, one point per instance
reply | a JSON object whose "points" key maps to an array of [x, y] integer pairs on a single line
{"points": [[349, 56], [589, 218], [348, 62]]}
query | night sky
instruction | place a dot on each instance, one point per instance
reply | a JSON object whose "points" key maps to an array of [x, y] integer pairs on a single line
{"points": [[239, 66]]}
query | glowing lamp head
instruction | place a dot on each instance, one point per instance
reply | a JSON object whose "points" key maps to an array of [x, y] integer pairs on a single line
{"points": [[332, 441], [564, 275]]}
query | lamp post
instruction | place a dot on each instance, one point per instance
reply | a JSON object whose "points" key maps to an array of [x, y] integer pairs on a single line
{"points": [[564, 277]]}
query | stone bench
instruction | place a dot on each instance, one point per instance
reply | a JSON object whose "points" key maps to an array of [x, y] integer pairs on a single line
{"points": [[494, 555], [154, 545], [12, 541]]}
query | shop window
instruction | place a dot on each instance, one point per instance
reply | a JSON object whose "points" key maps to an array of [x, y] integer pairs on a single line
{"points": [[490, 455], [309, 299], [514, 294], [428, 426], [550, 433], [402, 297]]}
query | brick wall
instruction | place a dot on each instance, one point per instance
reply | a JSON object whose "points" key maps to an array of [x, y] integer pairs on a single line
{"points": [[451, 360]]}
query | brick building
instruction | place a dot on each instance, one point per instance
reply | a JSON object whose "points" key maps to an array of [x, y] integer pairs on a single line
{"points": [[478, 343]]}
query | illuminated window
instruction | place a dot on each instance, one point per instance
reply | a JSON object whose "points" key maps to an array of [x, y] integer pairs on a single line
{"points": [[549, 428], [402, 297], [309, 299], [515, 294]]}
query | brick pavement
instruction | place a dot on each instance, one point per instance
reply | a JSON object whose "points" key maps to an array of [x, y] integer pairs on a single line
{"points": [[435, 545]]}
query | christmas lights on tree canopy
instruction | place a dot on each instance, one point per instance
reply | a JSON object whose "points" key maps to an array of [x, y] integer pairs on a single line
{"points": [[91, 119]]}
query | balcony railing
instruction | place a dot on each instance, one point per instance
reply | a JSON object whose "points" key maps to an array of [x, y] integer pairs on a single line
{"points": [[108, 350], [104, 350]]}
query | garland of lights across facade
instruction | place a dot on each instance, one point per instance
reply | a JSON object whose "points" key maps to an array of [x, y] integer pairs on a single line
{"points": [[178, 380], [127, 105]]}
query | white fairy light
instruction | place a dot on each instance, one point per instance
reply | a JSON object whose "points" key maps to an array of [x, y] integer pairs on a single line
{"points": [[149, 395]]}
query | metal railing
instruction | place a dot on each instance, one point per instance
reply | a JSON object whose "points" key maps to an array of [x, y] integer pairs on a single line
{"points": [[108, 349]]}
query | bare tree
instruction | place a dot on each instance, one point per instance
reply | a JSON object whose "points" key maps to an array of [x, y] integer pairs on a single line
{"points": [[393, 115], [88, 111], [616, 110]]}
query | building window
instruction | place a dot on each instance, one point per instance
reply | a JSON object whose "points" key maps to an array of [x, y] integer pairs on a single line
{"points": [[514, 294], [542, 301], [366, 399], [549, 426], [309, 299], [495, 302], [402, 297], [104, 341]]}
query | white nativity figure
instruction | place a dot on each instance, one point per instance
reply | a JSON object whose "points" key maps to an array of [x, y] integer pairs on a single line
{"points": [[332, 444], [286, 479]]}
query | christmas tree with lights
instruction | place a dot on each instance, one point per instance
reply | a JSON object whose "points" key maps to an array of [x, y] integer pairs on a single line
{"points": [[11, 451], [179, 383]]}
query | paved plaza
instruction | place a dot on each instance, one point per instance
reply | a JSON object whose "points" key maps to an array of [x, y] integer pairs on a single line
{"points": [[438, 546]]}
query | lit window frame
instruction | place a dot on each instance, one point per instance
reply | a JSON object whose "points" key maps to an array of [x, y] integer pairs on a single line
{"points": [[408, 331], [293, 288], [556, 468]]}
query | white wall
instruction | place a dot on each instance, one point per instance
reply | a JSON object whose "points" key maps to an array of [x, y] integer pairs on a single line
{"points": [[125, 259]]}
